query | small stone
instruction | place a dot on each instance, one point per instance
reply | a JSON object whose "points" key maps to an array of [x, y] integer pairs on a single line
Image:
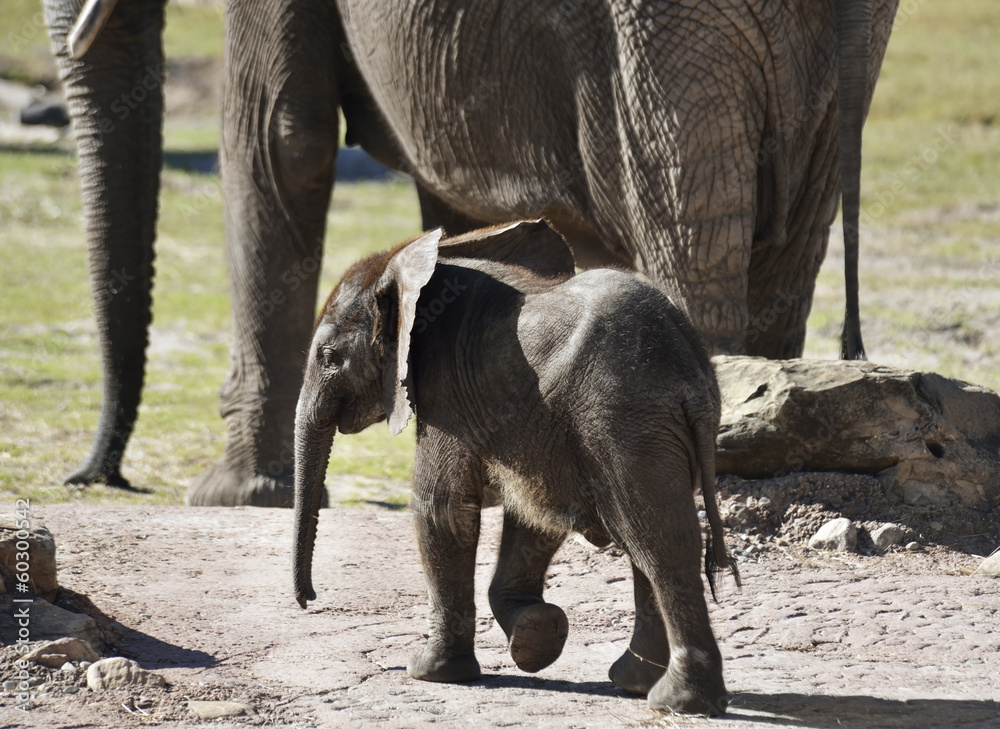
{"points": [[702, 514], [57, 652], [68, 667], [737, 508], [989, 567], [937, 526], [143, 702], [913, 547], [37, 681], [888, 535], [763, 501], [782, 542], [216, 709], [84, 665], [838, 535], [111, 673], [10, 686], [71, 689]]}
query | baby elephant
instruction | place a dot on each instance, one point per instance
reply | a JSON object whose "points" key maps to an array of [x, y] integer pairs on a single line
{"points": [[586, 403]]}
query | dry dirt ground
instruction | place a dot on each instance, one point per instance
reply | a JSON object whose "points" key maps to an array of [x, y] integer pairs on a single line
{"points": [[203, 596]]}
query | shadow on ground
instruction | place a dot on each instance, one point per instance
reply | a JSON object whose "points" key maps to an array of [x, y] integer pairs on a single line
{"points": [[353, 164], [148, 650], [835, 712]]}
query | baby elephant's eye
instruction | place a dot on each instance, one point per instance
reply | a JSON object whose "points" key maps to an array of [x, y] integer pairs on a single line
{"points": [[330, 357]]}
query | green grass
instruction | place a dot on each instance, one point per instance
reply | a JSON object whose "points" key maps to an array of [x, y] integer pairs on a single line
{"points": [[24, 42], [932, 231], [930, 197], [49, 368], [191, 31]]}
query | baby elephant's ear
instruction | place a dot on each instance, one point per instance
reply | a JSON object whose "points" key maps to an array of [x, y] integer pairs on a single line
{"points": [[407, 272], [531, 244]]}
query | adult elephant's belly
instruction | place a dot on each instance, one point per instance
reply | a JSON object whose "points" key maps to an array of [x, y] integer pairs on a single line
{"points": [[481, 103]]}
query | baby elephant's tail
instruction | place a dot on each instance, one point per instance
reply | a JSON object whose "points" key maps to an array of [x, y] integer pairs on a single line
{"points": [[717, 559]]}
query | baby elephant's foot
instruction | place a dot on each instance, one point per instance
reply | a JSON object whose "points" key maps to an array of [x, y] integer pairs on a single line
{"points": [[434, 664], [538, 636], [636, 675], [686, 696]]}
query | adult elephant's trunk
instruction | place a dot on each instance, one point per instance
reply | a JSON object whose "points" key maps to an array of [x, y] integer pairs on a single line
{"points": [[854, 29], [115, 95], [312, 455]]}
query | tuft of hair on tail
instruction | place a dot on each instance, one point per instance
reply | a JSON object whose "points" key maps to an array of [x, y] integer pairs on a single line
{"points": [[713, 568]]}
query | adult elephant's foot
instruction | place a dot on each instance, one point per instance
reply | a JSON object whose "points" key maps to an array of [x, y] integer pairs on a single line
{"points": [[97, 470], [636, 673], [685, 695], [228, 484], [537, 636], [434, 663]]}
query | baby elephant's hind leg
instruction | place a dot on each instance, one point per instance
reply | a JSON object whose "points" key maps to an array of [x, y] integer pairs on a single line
{"points": [[536, 630], [666, 546], [645, 661]]}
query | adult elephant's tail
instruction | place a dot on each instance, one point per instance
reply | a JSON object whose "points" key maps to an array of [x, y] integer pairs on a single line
{"points": [[854, 29]]}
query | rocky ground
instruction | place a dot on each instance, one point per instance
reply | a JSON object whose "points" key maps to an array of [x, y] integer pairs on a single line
{"points": [[202, 597]]}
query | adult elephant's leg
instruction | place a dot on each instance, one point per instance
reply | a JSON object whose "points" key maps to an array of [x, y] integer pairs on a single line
{"points": [[645, 661], [780, 299], [447, 500], [536, 630], [782, 275], [279, 144], [115, 94], [694, 221], [435, 213]]}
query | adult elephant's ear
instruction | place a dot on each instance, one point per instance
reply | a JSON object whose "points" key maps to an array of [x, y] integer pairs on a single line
{"points": [[406, 273]]}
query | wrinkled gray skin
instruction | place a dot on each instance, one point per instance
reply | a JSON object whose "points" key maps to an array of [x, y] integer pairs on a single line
{"points": [[695, 143], [586, 403]]}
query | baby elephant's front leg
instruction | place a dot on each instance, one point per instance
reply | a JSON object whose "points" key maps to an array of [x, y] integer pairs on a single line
{"points": [[536, 630], [447, 522]]}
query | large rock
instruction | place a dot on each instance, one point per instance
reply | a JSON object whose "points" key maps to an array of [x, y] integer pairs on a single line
{"points": [[930, 440], [41, 560], [112, 673], [47, 622], [56, 653]]}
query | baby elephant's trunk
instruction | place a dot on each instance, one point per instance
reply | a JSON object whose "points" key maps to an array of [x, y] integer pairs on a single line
{"points": [[312, 455]]}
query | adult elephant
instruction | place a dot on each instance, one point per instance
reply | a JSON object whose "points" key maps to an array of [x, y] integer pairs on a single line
{"points": [[696, 142]]}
